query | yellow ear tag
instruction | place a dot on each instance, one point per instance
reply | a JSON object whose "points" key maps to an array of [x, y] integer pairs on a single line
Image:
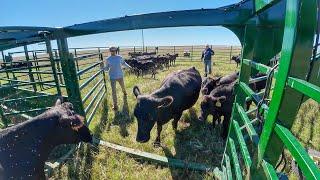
{"points": [[218, 104]]}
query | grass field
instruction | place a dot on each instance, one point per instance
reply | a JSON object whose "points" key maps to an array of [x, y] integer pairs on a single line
{"points": [[194, 142]]}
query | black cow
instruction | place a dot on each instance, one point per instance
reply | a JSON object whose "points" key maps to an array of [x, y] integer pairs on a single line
{"points": [[208, 84], [25, 147], [218, 103], [236, 59], [178, 92]]}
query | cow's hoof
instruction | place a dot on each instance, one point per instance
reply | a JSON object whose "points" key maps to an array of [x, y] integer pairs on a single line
{"points": [[157, 144]]}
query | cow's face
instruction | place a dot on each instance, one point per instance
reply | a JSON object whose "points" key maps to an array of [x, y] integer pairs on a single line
{"points": [[210, 105], [71, 127], [147, 111], [208, 84]]}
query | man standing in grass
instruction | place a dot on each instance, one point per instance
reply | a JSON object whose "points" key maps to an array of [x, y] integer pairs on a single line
{"points": [[206, 57], [113, 64]]}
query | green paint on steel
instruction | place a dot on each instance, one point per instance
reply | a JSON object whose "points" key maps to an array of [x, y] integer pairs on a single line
{"points": [[27, 98], [246, 121], [228, 166], [305, 87], [94, 98], [243, 146], [53, 66], [235, 160], [269, 171], [86, 97], [79, 73], [70, 76], [26, 111], [295, 55], [156, 158], [89, 80], [308, 167], [31, 77], [90, 117], [260, 67], [247, 90]]}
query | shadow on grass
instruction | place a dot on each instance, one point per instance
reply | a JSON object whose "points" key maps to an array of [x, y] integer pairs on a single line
{"points": [[196, 143], [122, 118]]}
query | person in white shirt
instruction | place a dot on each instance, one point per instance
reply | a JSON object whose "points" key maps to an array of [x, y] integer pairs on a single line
{"points": [[113, 64]]}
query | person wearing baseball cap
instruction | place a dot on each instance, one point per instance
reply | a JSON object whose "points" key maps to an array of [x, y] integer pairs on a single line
{"points": [[113, 64]]}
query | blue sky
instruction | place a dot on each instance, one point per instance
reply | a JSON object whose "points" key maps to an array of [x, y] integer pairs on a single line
{"points": [[58, 13]]}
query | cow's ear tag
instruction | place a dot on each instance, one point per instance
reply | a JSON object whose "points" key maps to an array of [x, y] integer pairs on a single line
{"points": [[218, 104]]}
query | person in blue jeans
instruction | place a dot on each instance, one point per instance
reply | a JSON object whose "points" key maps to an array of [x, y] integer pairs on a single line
{"points": [[206, 57], [113, 64]]}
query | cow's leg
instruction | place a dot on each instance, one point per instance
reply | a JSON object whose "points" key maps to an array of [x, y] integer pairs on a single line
{"points": [[248, 104], [215, 118], [176, 118], [157, 142], [225, 125]]}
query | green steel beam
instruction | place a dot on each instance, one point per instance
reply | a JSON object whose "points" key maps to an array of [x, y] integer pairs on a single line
{"points": [[93, 113], [86, 97], [83, 85], [308, 167], [26, 111], [235, 160], [27, 98], [224, 173], [252, 95], [70, 76], [228, 166], [53, 66], [300, 25], [305, 87], [94, 98], [156, 158], [243, 147], [29, 68], [79, 73], [269, 171], [260, 67], [247, 123]]}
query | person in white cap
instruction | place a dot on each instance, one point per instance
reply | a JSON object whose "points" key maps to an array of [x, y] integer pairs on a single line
{"points": [[113, 65]]}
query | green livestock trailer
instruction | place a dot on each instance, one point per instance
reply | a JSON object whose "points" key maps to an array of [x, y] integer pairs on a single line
{"points": [[288, 29]]}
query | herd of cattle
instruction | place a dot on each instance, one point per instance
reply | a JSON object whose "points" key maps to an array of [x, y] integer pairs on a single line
{"points": [[179, 92], [143, 63], [10, 64], [25, 147]]}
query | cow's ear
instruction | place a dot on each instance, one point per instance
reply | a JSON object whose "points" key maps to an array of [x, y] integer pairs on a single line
{"points": [[220, 100], [165, 102], [217, 80], [75, 121], [58, 102], [205, 90], [136, 91], [209, 99]]}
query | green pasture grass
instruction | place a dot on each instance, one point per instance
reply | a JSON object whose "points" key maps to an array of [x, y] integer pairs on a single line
{"points": [[194, 142]]}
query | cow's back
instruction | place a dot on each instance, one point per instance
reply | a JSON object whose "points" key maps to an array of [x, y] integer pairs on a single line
{"points": [[184, 86]]}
